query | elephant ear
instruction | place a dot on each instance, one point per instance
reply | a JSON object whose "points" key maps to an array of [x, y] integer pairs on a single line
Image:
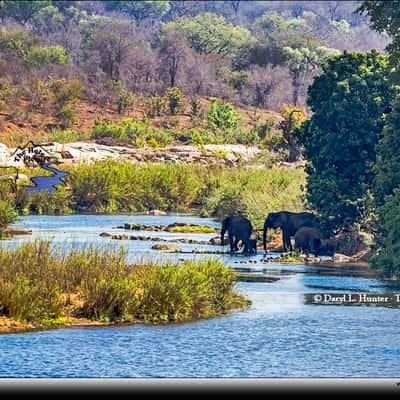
{"points": [[283, 218]]}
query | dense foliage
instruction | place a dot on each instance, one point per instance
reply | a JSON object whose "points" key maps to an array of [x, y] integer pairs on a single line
{"points": [[385, 18], [350, 101]]}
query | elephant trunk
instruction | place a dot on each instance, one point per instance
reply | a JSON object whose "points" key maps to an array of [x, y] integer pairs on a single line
{"points": [[265, 237]]}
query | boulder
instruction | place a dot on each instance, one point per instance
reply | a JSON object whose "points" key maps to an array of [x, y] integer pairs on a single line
{"points": [[341, 258], [106, 234], [216, 241], [156, 212], [166, 247]]}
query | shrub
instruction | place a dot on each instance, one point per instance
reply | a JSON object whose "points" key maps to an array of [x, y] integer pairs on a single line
{"points": [[40, 56], [17, 115], [8, 214], [134, 132], [66, 117], [223, 116], [157, 106], [196, 109], [175, 100], [125, 101], [65, 91]]}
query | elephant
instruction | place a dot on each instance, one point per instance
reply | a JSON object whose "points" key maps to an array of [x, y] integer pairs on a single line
{"points": [[239, 229], [251, 246], [328, 247], [308, 240], [290, 223], [312, 240]]}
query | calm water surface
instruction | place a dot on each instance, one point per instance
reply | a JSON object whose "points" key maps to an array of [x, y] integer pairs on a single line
{"points": [[279, 336]]}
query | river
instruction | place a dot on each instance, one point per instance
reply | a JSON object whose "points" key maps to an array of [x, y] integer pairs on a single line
{"points": [[278, 336]]}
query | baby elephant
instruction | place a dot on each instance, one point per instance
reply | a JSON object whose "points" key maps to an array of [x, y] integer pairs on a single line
{"points": [[250, 246], [308, 240]]}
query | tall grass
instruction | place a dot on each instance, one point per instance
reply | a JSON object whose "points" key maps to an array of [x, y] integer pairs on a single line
{"points": [[39, 282], [118, 187]]}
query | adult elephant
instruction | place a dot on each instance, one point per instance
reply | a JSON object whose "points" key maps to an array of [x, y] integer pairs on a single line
{"points": [[289, 222], [239, 228], [308, 240]]}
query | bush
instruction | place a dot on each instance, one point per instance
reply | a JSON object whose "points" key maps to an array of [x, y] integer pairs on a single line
{"points": [[8, 214], [65, 92], [125, 101], [40, 56], [157, 106], [196, 109], [17, 116], [134, 132], [175, 100], [223, 116], [66, 117]]}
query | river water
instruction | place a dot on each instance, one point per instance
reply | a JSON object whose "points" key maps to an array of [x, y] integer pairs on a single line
{"points": [[278, 336]]}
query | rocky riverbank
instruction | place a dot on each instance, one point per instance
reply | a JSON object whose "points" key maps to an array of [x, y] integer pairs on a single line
{"points": [[89, 152]]}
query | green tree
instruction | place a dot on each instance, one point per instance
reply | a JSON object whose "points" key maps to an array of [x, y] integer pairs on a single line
{"points": [[40, 56], [17, 44], [303, 60], [387, 258], [385, 17], [140, 10], [349, 101], [210, 33], [293, 117], [387, 166]]}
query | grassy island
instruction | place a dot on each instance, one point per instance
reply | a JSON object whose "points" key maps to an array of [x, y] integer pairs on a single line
{"points": [[42, 286]]}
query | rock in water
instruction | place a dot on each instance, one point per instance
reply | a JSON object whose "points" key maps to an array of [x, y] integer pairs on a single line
{"points": [[166, 247], [156, 212], [106, 234], [341, 258]]}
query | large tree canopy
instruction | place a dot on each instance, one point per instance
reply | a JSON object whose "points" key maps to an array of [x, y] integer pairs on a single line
{"points": [[139, 10], [209, 33], [349, 102]]}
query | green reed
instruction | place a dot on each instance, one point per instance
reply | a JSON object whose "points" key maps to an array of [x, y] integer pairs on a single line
{"points": [[42, 283]]}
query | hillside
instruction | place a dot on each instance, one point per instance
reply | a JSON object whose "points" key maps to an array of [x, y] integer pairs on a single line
{"points": [[42, 126], [66, 65]]}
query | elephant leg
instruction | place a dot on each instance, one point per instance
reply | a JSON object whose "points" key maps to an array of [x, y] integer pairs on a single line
{"points": [[246, 249], [287, 245], [315, 246], [232, 243]]}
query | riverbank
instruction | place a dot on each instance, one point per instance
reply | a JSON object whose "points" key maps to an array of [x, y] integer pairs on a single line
{"points": [[115, 187]]}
